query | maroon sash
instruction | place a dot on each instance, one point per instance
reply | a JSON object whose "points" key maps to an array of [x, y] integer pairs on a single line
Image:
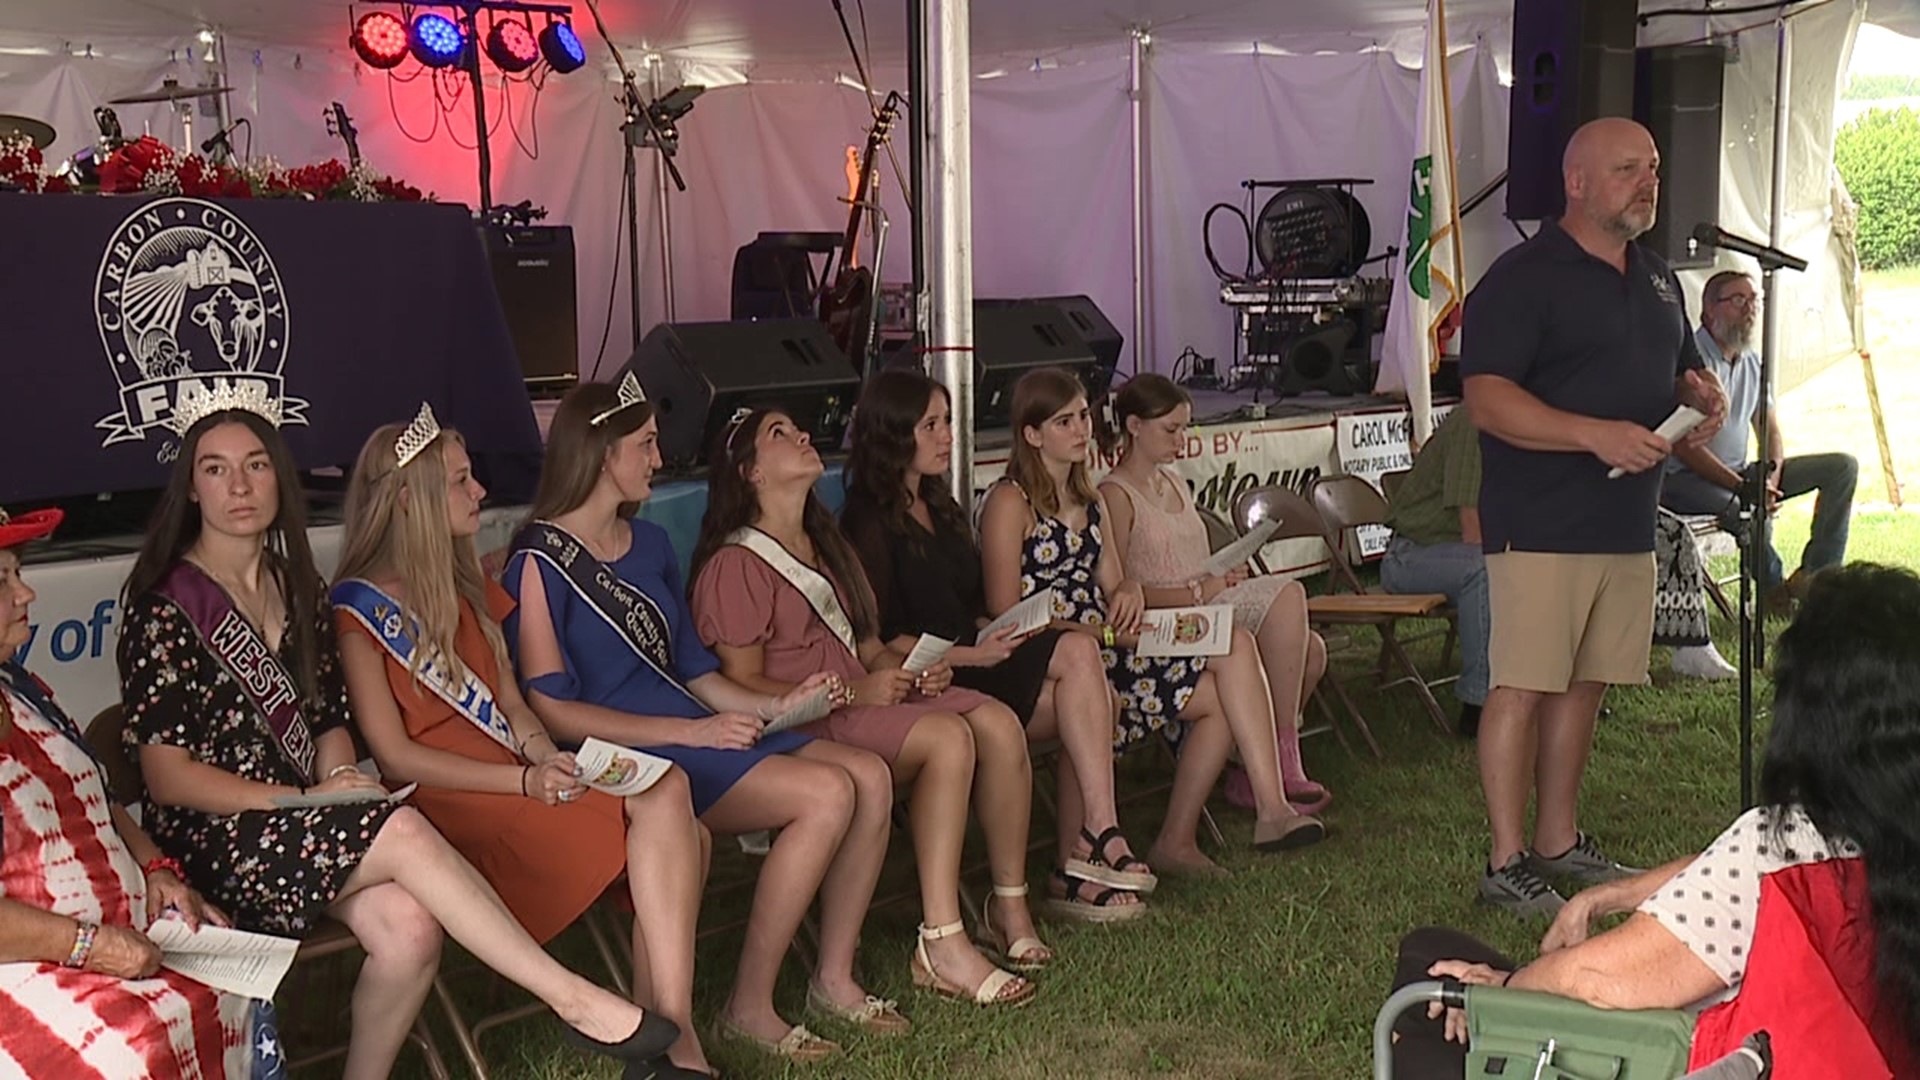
{"points": [[233, 641]]}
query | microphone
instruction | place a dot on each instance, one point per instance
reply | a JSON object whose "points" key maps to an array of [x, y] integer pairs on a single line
{"points": [[219, 138], [1709, 235]]}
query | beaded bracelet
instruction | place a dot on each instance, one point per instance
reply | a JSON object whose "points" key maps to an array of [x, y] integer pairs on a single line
{"points": [[338, 769], [1107, 635], [162, 862], [82, 945]]}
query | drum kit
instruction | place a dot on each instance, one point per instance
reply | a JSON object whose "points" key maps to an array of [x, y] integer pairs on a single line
{"points": [[85, 165]]}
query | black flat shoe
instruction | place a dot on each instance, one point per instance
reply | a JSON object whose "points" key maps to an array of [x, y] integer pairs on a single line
{"points": [[648, 1041], [663, 1069]]}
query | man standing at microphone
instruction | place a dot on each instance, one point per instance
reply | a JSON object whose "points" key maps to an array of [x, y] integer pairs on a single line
{"points": [[1576, 346]]}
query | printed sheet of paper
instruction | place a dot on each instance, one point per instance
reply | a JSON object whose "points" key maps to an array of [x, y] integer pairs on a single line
{"points": [[813, 707], [1242, 551], [1199, 631], [618, 770], [1674, 428], [928, 651], [342, 798], [236, 961], [1031, 614]]}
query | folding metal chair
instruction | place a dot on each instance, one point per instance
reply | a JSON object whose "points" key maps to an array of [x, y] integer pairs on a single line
{"points": [[1704, 528], [1389, 487]]}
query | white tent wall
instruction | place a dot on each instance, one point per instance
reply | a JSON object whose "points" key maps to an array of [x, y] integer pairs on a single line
{"points": [[763, 150]]}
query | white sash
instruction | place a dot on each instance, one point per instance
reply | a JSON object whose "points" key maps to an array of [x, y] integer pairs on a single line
{"points": [[812, 583]]}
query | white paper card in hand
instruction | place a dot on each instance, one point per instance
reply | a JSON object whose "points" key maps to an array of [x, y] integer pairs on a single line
{"points": [[928, 651], [618, 770], [1031, 614], [342, 798], [238, 962], [1242, 551], [812, 707], [1674, 428], [1199, 631]]}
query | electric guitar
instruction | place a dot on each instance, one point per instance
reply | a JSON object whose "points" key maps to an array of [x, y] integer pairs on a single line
{"points": [[847, 304], [339, 124]]}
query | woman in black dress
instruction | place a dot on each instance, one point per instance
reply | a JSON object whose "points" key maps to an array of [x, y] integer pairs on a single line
{"points": [[920, 556]]}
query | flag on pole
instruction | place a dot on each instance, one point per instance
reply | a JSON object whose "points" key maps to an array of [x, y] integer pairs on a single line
{"points": [[1431, 283]]}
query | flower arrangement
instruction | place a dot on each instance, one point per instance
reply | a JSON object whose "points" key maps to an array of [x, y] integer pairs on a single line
{"points": [[149, 165]]}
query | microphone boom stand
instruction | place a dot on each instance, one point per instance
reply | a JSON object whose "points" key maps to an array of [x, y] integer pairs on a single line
{"points": [[637, 114]]}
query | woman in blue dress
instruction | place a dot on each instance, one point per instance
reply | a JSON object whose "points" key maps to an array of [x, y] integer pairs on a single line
{"points": [[605, 646]]}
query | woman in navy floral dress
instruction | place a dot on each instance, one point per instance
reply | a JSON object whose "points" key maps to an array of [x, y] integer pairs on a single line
{"points": [[1040, 528]]}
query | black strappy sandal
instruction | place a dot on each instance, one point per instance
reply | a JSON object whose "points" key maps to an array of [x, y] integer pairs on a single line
{"points": [[1097, 908], [1121, 872]]}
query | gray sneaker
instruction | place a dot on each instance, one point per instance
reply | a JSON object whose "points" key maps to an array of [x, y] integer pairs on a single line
{"points": [[1584, 862], [1515, 887]]}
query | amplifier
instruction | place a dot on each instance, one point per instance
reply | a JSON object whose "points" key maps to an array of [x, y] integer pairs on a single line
{"points": [[533, 273]]}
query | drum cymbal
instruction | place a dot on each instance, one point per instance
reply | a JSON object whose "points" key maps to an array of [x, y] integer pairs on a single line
{"points": [[170, 90], [38, 132]]}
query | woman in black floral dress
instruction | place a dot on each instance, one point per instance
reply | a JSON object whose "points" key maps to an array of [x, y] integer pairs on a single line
{"points": [[1040, 529], [234, 698]]}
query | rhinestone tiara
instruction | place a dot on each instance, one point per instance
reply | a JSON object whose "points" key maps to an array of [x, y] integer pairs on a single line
{"points": [[418, 436], [631, 394], [196, 403]]}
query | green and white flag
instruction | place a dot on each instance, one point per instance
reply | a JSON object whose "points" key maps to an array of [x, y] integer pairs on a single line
{"points": [[1431, 283]]}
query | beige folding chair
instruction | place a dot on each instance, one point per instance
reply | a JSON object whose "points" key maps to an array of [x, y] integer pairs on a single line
{"points": [[329, 939], [1390, 484], [1704, 527]]}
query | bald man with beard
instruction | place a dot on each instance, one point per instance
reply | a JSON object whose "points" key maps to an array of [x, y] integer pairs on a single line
{"points": [[1576, 346]]}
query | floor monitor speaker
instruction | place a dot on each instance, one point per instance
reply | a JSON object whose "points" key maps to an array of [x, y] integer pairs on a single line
{"points": [[533, 272], [697, 374], [1572, 62], [1013, 337]]}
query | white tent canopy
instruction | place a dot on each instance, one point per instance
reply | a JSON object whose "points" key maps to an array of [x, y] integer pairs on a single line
{"points": [[1233, 90]]}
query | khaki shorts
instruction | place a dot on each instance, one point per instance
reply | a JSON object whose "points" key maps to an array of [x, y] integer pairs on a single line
{"points": [[1560, 619]]}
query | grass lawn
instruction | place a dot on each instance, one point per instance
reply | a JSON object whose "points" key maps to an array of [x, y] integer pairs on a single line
{"points": [[1277, 972]]}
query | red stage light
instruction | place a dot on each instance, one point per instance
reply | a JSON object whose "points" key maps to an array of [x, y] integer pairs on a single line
{"points": [[510, 45], [380, 39]]}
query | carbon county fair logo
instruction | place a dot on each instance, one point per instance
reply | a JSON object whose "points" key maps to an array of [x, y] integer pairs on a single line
{"points": [[187, 295]]}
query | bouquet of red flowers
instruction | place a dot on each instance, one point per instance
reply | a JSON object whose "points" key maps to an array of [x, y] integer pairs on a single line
{"points": [[22, 166], [139, 165]]}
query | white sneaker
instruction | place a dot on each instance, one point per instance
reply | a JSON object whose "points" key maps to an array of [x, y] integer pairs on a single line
{"points": [[1703, 662]]}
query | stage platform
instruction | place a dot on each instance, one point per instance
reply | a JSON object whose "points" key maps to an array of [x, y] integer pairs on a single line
{"points": [[1236, 443]]}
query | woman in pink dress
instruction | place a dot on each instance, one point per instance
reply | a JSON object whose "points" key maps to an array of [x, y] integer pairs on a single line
{"points": [[1162, 543], [779, 595]]}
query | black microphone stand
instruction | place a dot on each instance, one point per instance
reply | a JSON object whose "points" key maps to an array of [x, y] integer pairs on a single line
{"points": [[637, 114]]}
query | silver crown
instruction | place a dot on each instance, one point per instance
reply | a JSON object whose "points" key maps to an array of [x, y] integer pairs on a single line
{"points": [[197, 403], [631, 394], [418, 436]]}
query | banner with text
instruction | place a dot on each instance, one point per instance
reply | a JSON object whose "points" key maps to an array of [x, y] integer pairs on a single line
{"points": [[1371, 445]]}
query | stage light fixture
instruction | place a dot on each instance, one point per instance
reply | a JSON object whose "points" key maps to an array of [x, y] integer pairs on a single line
{"points": [[436, 40], [511, 47], [380, 39], [562, 48]]}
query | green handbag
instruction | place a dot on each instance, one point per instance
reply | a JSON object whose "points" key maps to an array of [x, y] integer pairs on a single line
{"points": [[1518, 1035]]}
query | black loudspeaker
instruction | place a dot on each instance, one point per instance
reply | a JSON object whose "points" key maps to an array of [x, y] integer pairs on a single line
{"points": [[1323, 360], [533, 273], [1677, 93], [697, 374], [1011, 338], [1572, 62]]}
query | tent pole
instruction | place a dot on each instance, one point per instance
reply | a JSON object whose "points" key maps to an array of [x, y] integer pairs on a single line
{"points": [[1138, 41], [950, 262], [917, 182], [662, 182]]}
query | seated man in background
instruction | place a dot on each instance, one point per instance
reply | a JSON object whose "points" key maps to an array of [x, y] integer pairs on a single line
{"points": [[1707, 479], [1436, 548]]}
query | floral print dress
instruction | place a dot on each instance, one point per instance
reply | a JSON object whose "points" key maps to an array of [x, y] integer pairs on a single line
{"points": [[1153, 691], [273, 871]]}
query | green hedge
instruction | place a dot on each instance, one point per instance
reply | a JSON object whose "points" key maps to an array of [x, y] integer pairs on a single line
{"points": [[1879, 158]]}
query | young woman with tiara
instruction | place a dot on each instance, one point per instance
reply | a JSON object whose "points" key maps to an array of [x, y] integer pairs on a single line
{"points": [[433, 692], [232, 685], [919, 553], [1162, 543], [779, 595], [1043, 528], [605, 647]]}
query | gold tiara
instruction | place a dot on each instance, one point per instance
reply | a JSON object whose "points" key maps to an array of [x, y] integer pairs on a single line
{"points": [[196, 403], [418, 436], [630, 395]]}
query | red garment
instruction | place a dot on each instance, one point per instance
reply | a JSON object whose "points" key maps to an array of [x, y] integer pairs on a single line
{"points": [[1810, 984]]}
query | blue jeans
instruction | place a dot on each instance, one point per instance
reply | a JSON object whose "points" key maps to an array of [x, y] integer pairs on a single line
{"points": [[1460, 571], [1832, 475]]}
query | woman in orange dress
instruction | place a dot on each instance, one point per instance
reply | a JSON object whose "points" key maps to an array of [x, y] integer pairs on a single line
{"points": [[434, 695]]}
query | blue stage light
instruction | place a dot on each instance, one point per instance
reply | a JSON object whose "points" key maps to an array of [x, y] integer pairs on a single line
{"points": [[436, 40], [562, 48]]}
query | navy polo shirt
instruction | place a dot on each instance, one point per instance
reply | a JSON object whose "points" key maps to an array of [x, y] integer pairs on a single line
{"points": [[1583, 338]]}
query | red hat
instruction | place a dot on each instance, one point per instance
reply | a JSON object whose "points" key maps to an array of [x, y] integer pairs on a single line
{"points": [[17, 530]]}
